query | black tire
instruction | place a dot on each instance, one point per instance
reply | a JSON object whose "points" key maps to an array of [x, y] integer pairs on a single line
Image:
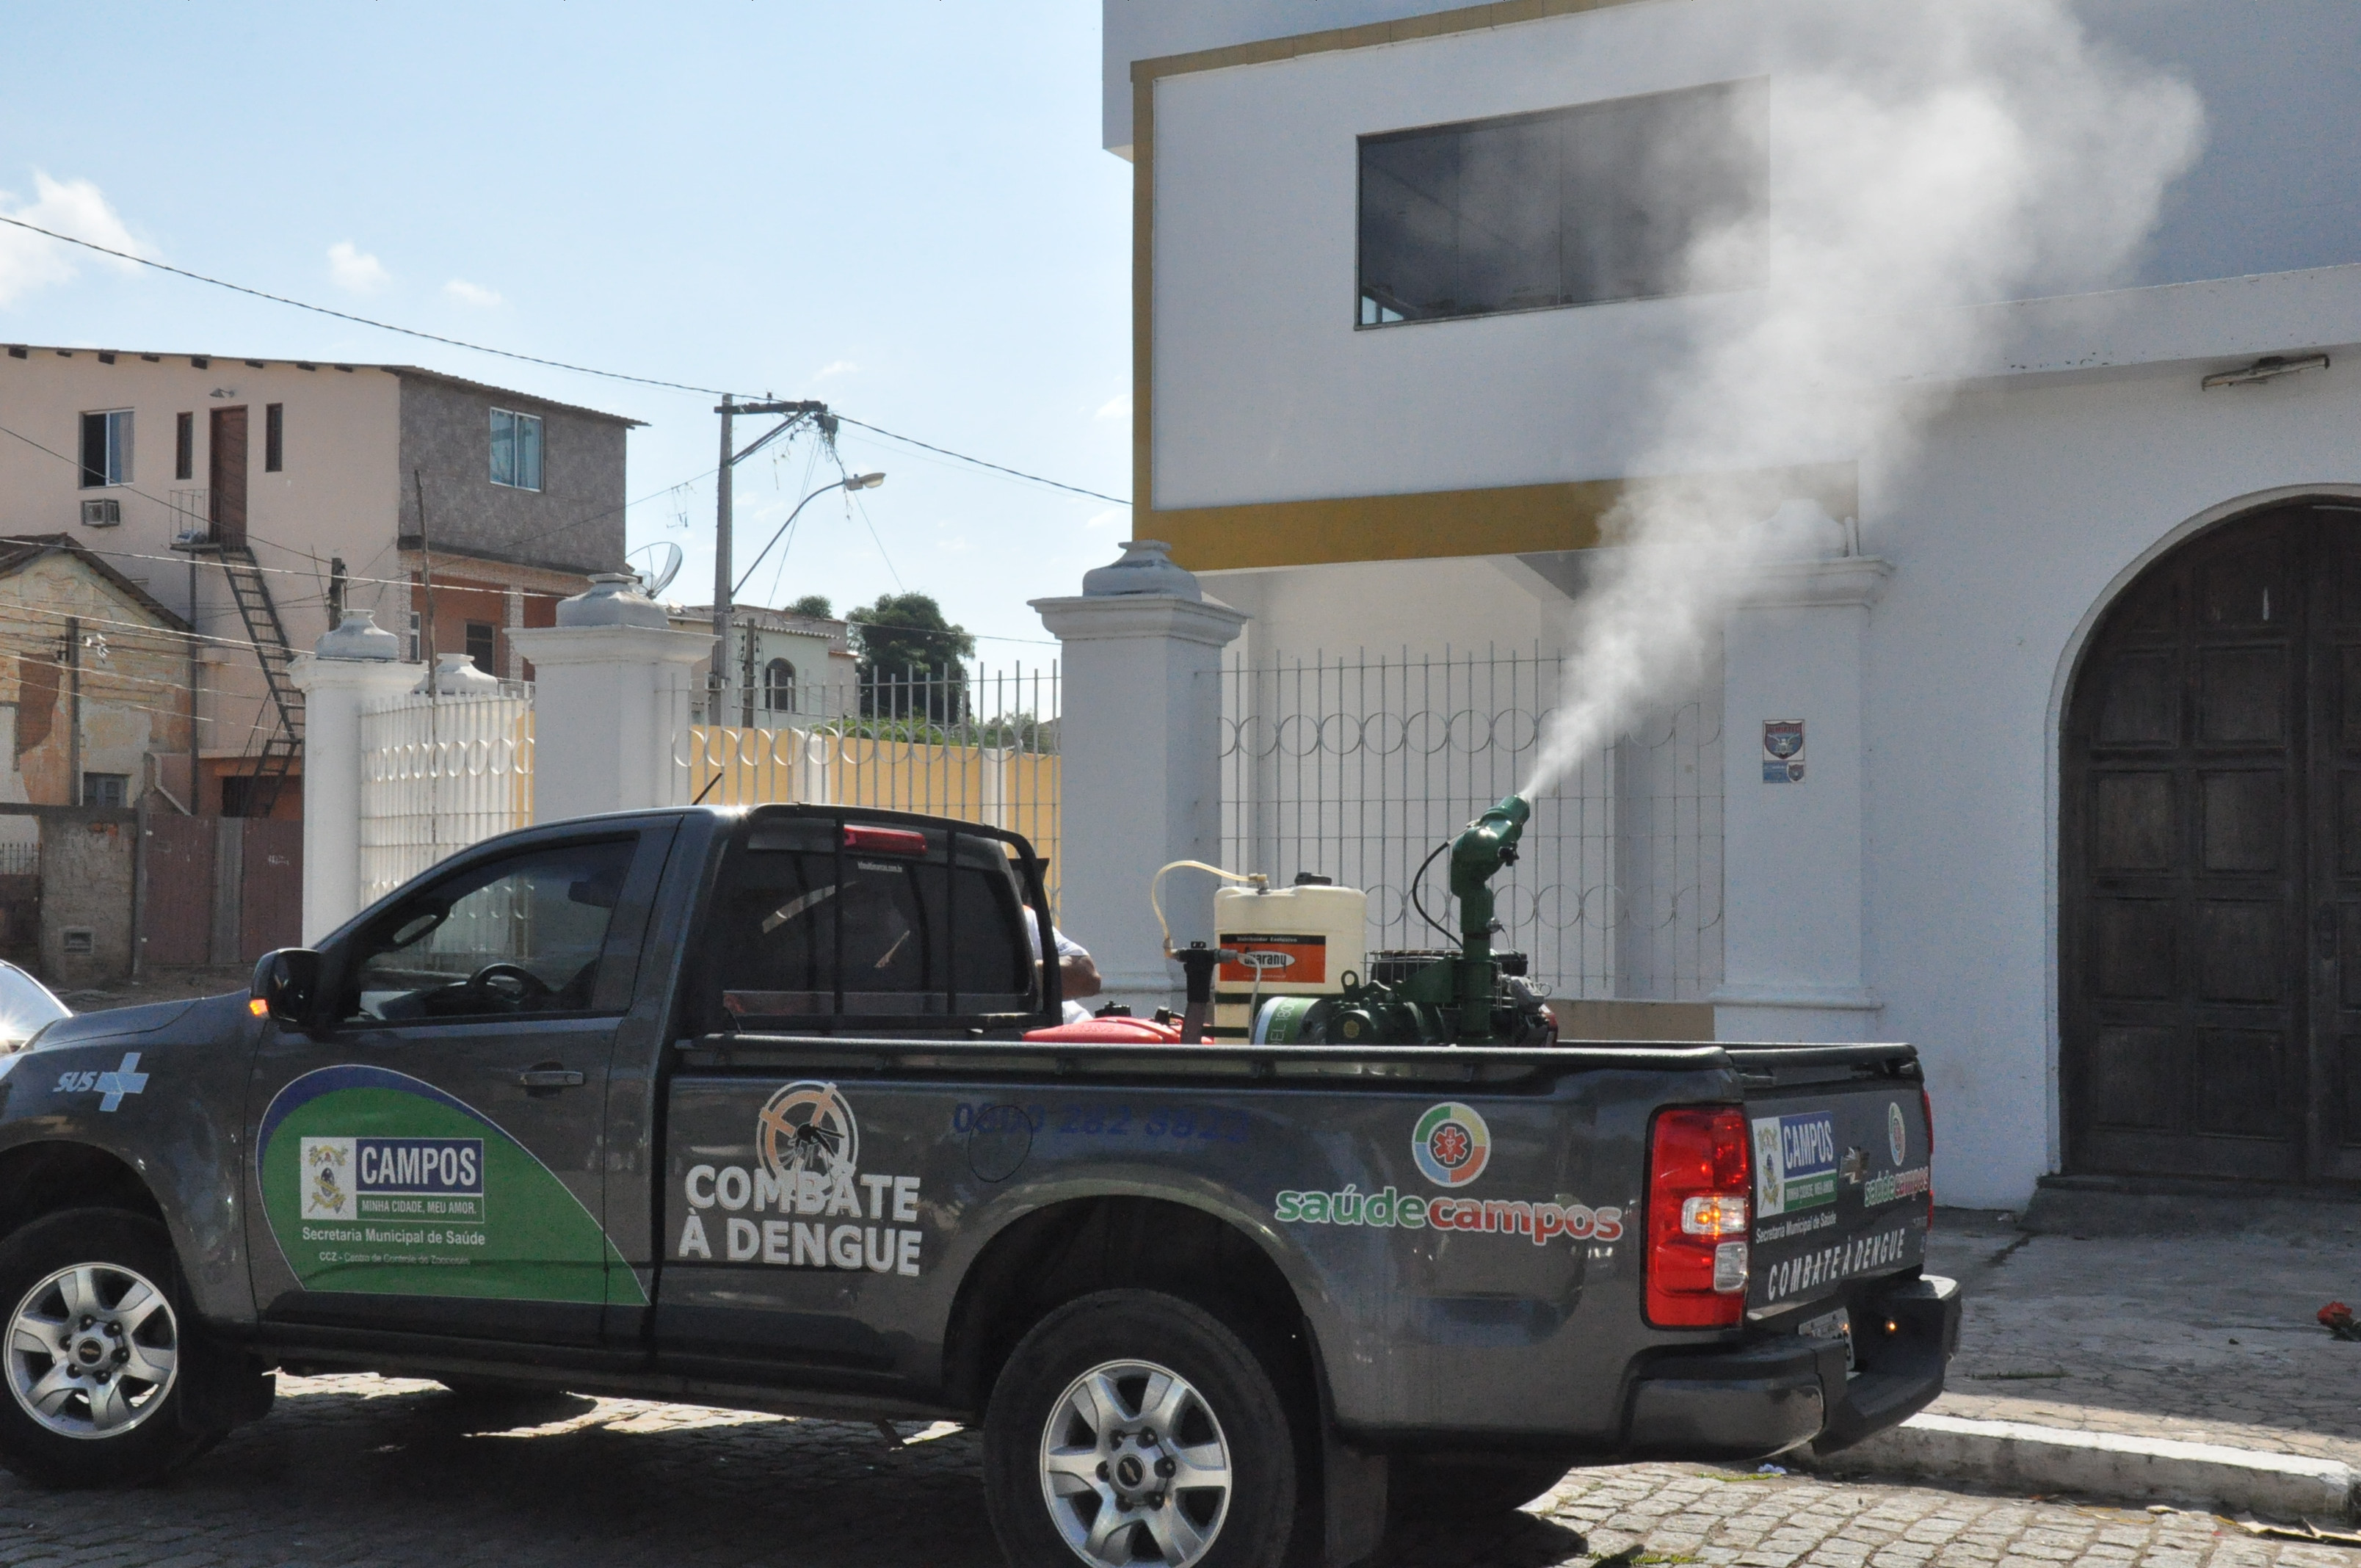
{"points": [[1423, 1488], [1237, 1403], [153, 1435]]}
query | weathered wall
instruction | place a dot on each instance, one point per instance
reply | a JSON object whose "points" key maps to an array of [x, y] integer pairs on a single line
{"points": [[87, 881], [134, 698], [575, 519]]}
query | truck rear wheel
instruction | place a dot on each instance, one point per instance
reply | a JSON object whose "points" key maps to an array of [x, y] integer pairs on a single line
{"points": [[96, 1354], [1426, 1487], [1131, 1426]]}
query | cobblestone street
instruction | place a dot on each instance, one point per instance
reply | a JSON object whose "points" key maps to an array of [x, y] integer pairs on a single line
{"points": [[364, 1470]]}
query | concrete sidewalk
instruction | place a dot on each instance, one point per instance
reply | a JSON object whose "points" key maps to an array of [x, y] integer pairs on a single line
{"points": [[2184, 1368]]}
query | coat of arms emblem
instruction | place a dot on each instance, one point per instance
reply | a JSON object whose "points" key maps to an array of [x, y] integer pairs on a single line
{"points": [[1783, 751]]}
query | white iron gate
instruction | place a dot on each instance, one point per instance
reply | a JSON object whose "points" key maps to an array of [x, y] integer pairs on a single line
{"points": [[1356, 768], [437, 774]]}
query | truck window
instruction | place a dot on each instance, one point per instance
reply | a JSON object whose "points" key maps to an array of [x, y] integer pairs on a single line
{"points": [[515, 937], [908, 935]]}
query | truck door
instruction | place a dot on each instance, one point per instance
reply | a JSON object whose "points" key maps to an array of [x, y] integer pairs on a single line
{"points": [[430, 1161], [801, 1211]]}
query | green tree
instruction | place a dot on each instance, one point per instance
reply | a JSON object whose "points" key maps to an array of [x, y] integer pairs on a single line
{"points": [[817, 606], [909, 659]]}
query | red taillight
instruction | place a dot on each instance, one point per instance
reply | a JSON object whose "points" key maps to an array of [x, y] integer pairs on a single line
{"points": [[1926, 1105], [884, 841], [1700, 1176]]}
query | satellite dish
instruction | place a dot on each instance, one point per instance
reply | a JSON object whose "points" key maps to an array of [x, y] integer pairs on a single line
{"points": [[657, 565]]}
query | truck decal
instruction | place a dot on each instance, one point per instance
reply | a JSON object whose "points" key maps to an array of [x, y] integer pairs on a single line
{"points": [[1538, 1221], [1795, 1162], [1827, 1265], [1451, 1144], [810, 1144], [376, 1181]]}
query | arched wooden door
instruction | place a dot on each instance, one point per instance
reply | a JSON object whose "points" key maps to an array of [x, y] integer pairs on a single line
{"points": [[2209, 919]]}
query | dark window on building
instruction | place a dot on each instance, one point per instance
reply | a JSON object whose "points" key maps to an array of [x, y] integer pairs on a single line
{"points": [[184, 447], [779, 686], [105, 789], [1624, 199], [516, 450], [106, 449], [480, 643], [274, 437]]}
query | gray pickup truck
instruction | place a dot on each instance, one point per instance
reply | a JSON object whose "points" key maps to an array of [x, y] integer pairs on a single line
{"points": [[740, 1108]]}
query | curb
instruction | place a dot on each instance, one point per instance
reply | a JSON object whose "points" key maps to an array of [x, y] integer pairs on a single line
{"points": [[2037, 1459]]}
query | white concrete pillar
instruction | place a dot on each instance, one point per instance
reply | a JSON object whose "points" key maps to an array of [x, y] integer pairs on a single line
{"points": [[1139, 726], [611, 689], [354, 663], [1792, 911]]}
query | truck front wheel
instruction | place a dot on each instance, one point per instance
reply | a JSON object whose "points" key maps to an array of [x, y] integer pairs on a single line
{"points": [[95, 1352], [1131, 1426]]}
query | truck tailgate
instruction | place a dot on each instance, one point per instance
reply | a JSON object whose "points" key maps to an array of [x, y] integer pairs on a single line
{"points": [[1841, 1191]]}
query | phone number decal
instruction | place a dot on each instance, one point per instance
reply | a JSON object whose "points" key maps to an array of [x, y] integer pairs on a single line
{"points": [[1170, 1123]]}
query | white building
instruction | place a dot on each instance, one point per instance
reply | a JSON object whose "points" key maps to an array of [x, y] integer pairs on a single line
{"points": [[2082, 810]]}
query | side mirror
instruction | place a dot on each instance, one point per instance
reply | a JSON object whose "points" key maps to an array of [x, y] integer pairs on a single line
{"points": [[285, 984]]}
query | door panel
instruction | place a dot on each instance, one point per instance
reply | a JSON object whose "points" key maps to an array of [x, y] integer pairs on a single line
{"points": [[2211, 902], [225, 475], [433, 1161]]}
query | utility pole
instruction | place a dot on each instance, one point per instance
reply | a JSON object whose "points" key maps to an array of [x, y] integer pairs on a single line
{"points": [[718, 681], [723, 498], [74, 711]]}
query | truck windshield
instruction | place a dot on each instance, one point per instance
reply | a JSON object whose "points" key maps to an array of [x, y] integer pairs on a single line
{"points": [[901, 936]]}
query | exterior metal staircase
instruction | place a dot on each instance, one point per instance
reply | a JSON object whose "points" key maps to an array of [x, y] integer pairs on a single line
{"points": [[269, 634]]}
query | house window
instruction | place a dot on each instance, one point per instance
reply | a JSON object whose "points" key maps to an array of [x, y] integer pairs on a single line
{"points": [[106, 449], [274, 437], [1625, 200], [516, 450], [480, 645], [184, 447], [417, 634], [779, 686], [105, 789]]}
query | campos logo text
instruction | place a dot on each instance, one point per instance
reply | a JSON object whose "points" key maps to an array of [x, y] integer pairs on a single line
{"points": [[810, 1144]]}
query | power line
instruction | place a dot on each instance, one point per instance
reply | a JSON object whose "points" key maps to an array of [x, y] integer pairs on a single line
{"points": [[524, 358]]}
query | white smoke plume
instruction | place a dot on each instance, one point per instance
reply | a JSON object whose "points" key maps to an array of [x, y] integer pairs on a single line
{"points": [[1923, 159]]}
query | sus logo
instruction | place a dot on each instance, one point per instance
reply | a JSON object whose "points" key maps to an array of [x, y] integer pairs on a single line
{"points": [[808, 1127]]}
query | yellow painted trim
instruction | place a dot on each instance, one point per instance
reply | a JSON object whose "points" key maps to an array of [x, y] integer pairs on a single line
{"points": [[1434, 25], [1512, 520]]}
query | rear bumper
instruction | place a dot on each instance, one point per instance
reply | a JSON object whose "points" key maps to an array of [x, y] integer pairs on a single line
{"points": [[1748, 1401]]}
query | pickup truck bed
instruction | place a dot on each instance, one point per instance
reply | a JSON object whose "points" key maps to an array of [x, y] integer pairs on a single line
{"points": [[1443, 1272]]}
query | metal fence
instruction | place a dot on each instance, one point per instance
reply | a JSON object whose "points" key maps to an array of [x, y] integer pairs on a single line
{"points": [[972, 743], [1357, 768], [438, 775]]}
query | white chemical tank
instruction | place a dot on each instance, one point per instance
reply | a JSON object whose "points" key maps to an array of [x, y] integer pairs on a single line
{"points": [[1291, 941]]}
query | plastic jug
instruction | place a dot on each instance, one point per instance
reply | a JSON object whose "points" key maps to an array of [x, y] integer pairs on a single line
{"points": [[1291, 941]]}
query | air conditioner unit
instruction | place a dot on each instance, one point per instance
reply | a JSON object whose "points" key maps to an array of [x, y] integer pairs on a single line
{"points": [[101, 514]]}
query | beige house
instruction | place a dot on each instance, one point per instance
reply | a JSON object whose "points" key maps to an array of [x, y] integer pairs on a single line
{"points": [[250, 498]]}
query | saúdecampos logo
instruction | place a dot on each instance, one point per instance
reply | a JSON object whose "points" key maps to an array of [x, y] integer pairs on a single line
{"points": [[1451, 1144]]}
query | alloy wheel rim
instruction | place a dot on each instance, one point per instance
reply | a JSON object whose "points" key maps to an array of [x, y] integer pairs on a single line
{"points": [[1135, 1467], [92, 1351]]}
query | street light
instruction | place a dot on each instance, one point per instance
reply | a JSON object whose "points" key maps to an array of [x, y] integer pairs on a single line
{"points": [[853, 482]]}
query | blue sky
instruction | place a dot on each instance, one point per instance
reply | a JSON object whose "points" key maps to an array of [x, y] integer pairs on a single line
{"points": [[899, 206]]}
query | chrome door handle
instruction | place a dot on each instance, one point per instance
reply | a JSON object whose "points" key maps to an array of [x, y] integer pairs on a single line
{"points": [[549, 1077]]}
